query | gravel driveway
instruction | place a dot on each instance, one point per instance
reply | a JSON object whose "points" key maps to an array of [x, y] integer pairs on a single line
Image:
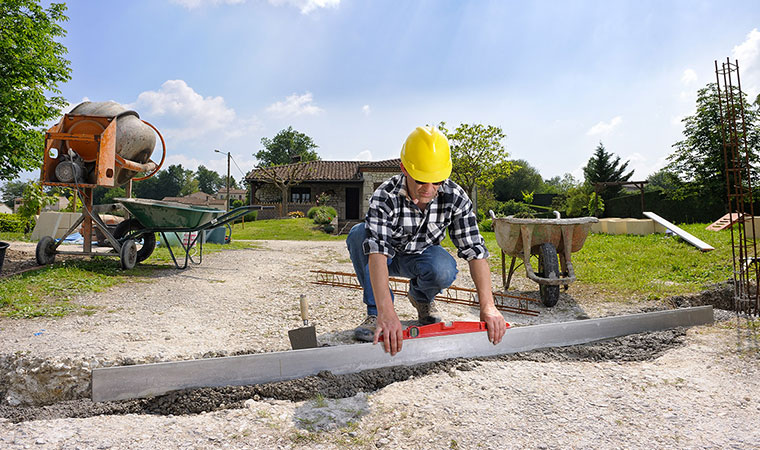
{"points": [[692, 388]]}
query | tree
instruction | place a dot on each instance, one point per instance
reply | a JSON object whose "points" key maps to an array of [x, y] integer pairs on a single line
{"points": [[664, 181], [208, 181], [525, 178], [286, 147], [31, 67], [284, 178], [478, 156], [174, 181], [601, 167], [560, 185], [12, 190], [698, 158]]}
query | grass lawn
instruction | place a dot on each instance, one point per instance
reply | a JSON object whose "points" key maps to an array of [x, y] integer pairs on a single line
{"points": [[49, 291], [282, 230], [653, 266]]}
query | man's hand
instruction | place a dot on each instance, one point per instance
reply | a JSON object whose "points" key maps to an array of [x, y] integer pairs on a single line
{"points": [[393, 334], [494, 323]]}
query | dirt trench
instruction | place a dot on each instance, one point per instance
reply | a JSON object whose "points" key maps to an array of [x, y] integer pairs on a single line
{"points": [[640, 347]]}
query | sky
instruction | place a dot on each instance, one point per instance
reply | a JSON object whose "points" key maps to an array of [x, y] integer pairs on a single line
{"points": [[359, 75]]}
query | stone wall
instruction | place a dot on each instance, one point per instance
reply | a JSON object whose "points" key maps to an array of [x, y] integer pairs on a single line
{"points": [[368, 188]]}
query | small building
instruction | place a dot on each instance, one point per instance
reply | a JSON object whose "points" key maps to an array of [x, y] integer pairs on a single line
{"points": [[199, 199], [4, 209], [235, 194], [348, 184], [60, 204]]}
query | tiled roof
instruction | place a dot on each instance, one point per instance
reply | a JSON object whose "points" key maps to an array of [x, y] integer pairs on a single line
{"points": [[387, 164], [322, 170]]}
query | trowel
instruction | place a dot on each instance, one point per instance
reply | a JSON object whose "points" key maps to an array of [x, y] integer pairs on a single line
{"points": [[306, 336]]}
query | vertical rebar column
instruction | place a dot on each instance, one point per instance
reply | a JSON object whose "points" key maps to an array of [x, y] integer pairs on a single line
{"points": [[738, 169]]}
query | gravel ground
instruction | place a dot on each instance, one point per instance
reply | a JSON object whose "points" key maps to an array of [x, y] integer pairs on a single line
{"points": [[692, 388]]}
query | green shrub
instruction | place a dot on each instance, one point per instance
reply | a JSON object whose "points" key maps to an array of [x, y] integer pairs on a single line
{"points": [[321, 214], [328, 228], [322, 217], [330, 210], [511, 208], [250, 217], [486, 225], [13, 223]]}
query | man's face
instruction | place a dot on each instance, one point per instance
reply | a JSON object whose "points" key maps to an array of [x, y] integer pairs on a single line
{"points": [[422, 192]]}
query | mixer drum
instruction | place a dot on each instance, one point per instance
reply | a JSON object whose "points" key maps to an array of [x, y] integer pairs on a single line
{"points": [[135, 140]]}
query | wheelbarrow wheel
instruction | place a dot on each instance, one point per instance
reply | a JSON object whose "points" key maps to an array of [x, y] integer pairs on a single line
{"points": [[128, 254], [548, 266], [45, 253], [145, 244]]}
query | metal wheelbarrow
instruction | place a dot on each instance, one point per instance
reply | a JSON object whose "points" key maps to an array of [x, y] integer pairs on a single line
{"points": [[154, 216], [552, 240]]}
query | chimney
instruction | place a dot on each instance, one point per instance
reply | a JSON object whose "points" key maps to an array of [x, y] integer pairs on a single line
{"points": [[295, 159]]}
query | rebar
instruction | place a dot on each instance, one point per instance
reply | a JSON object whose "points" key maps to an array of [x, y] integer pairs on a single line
{"points": [[453, 294], [739, 175]]}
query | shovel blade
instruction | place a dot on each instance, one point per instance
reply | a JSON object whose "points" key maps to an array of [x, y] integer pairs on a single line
{"points": [[305, 337]]}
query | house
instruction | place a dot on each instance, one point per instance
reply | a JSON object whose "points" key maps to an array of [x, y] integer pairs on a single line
{"points": [[199, 199], [349, 185], [60, 204], [4, 209], [235, 194]]}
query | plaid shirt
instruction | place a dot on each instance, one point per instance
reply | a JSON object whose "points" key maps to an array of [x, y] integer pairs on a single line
{"points": [[395, 224]]}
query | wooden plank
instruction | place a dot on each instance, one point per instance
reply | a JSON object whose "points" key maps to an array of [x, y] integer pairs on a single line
{"points": [[147, 380], [725, 222], [691, 239]]}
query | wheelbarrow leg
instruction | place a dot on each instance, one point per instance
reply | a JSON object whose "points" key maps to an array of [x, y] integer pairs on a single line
{"points": [[507, 281]]}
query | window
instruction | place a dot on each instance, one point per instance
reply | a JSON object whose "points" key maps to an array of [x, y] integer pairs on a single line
{"points": [[300, 195]]}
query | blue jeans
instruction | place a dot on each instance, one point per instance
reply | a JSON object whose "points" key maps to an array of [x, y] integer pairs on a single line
{"points": [[429, 272]]}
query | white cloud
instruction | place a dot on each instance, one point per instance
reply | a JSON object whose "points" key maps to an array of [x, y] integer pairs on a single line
{"points": [[188, 115], [748, 55], [689, 76], [604, 127], [366, 110], [305, 6], [295, 105], [364, 155]]}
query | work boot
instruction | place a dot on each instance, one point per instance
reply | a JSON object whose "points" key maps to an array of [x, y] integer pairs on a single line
{"points": [[366, 331], [427, 313]]}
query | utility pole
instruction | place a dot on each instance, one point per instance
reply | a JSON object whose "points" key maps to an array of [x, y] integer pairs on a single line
{"points": [[228, 177]]}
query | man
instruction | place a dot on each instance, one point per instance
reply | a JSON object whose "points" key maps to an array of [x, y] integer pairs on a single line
{"points": [[407, 219]]}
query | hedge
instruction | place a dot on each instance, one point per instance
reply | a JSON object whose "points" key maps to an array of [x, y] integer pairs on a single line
{"points": [[12, 223]]}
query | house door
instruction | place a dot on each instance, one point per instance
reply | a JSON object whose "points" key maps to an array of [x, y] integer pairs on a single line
{"points": [[352, 203]]}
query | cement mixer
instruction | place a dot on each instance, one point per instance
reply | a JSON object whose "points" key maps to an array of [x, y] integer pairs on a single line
{"points": [[101, 144], [97, 144]]}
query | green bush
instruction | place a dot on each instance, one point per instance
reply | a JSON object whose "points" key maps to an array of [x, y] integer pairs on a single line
{"points": [[322, 217], [13, 223], [511, 208], [321, 214], [328, 228], [486, 225], [250, 217]]}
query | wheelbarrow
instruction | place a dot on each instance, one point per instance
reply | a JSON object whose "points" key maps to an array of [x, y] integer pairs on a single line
{"points": [[186, 223], [135, 238], [552, 240]]}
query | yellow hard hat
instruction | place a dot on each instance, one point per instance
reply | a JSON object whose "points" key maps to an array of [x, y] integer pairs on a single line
{"points": [[426, 155]]}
